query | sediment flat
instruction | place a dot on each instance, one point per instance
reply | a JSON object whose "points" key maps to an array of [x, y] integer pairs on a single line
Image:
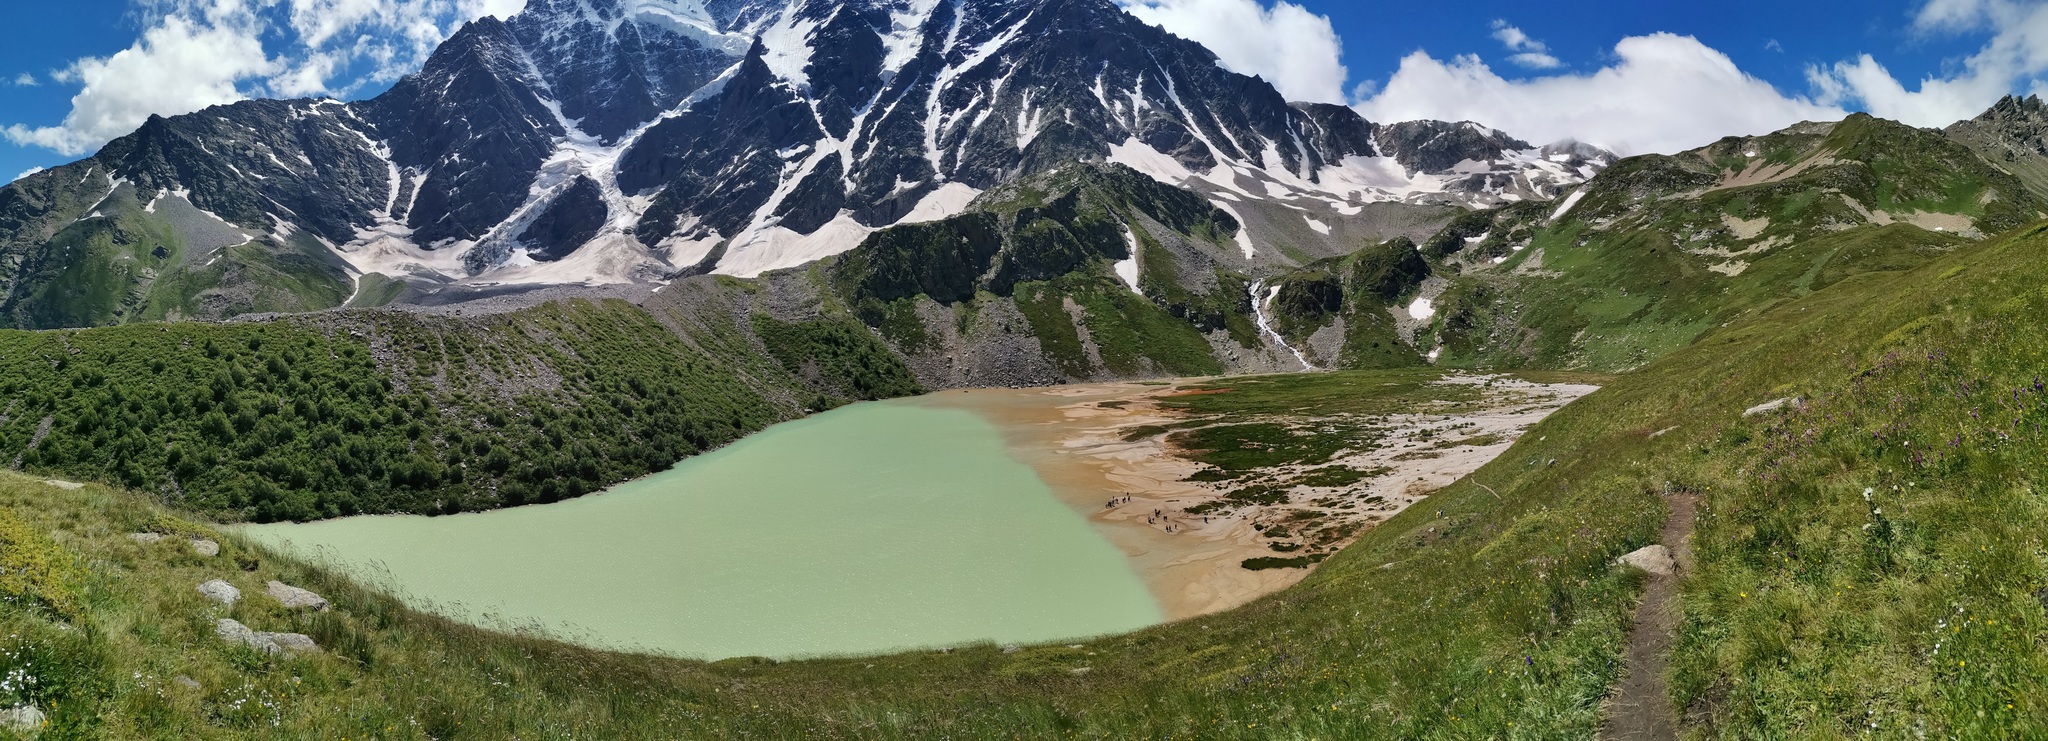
{"points": [[1136, 489]]}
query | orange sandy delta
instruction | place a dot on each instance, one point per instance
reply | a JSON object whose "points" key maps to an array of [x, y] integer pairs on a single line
{"points": [[1194, 566]]}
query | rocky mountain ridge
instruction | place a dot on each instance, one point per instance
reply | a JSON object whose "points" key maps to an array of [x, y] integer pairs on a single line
{"points": [[606, 141]]}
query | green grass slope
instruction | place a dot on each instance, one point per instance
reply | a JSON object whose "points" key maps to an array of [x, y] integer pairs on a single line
{"points": [[1659, 250], [368, 412], [79, 255], [1047, 246], [1358, 292]]}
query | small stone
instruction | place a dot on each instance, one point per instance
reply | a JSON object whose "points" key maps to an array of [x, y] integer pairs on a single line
{"points": [[1010, 649], [1080, 671], [65, 485], [296, 598], [185, 682], [298, 643], [23, 719], [205, 547], [145, 538], [236, 633], [1771, 406], [1655, 559], [220, 591]]}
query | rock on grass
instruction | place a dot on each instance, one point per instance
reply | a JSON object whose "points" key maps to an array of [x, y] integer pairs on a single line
{"points": [[296, 598], [221, 591], [235, 632], [1654, 559]]}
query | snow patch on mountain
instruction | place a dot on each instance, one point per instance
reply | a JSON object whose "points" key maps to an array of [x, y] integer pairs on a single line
{"points": [[689, 19], [905, 37], [1244, 232], [945, 201], [1127, 268], [1569, 202], [787, 41], [776, 247]]}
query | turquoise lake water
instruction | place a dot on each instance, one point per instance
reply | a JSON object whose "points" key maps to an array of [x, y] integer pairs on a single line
{"points": [[871, 528]]}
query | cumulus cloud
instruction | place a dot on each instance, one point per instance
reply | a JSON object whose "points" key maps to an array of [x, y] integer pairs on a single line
{"points": [[1664, 93], [395, 36], [27, 172], [1530, 53], [25, 80], [1295, 50], [197, 53], [181, 64], [2016, 56]]}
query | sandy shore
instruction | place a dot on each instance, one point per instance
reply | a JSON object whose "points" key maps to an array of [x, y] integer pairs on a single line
{"points": [[1137, 494]]}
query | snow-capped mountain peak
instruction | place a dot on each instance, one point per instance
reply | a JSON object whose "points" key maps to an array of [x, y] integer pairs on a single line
{"points": [[625, 140]]}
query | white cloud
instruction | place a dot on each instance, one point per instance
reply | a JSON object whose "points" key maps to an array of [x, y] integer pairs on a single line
{"points": [[2016, 56], [1295, 50], [26, 173], [25, 80], [394, 36], [1530, 53], [1513, 38], [1665, 93], [198, 53], [180, 65]]}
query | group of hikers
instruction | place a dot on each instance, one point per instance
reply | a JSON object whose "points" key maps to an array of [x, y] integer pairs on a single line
{"points": [[1158, 516]]}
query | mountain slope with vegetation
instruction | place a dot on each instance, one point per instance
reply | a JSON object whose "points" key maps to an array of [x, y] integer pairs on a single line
{"points": [[1658, 250], [1087, 272], [336, 414]]}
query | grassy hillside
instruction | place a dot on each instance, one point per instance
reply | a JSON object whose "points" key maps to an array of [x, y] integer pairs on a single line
{"points": [[1489, 611], [1045, 250], [337, 414], [1356, 295], [1657, 251], [82, 253]]}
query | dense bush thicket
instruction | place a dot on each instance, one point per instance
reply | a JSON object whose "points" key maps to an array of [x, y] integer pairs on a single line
{"points": [[308, 418], [841, 357]]}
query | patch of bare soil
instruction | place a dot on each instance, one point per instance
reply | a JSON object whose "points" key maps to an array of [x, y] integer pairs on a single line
{"points": [[1640, 708]]}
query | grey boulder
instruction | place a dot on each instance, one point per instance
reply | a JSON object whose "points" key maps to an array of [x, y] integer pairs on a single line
{"points": [[236, 633], [296, 598], [220, 591]]}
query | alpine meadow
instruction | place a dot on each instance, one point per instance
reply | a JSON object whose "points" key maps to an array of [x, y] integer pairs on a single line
{"points": [[964, 369]]}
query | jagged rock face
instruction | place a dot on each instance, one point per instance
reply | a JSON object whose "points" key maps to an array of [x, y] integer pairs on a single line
{"points": [[473, 128], [1482, 162], [868, 107], [2020, 122], [259, 162], [613, 65], [568, 222], [1435, 146], [2012, 135]]}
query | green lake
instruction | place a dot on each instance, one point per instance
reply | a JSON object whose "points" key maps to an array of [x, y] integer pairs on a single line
{"points": [[871, 528]]}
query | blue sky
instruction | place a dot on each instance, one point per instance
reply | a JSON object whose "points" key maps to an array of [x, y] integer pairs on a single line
{"points": [[1582, 34], [1636, 75]]}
